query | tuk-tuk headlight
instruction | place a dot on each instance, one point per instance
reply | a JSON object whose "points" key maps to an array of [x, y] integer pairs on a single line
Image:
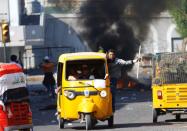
{"points": [[70, 94], [103, 93]]}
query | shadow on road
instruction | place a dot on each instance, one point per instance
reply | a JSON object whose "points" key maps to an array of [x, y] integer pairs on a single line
{"points": [[123, 126], [129, 125], [175, 120]]}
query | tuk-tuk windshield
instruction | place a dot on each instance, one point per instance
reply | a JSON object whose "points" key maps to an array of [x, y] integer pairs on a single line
{"points": [[170, 68], [85, 69]]}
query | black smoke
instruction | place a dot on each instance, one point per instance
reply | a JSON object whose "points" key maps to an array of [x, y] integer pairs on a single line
{"points": [[111, 23]]}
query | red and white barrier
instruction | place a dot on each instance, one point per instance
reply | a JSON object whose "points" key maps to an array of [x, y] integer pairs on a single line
{"points": [[11, 77]]}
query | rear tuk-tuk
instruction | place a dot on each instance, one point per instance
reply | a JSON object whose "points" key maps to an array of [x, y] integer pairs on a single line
{"points": [[82, 97], [15, 113], [169, 84]]}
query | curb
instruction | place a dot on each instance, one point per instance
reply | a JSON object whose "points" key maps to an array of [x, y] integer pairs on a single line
{"points": [[35, 78]]}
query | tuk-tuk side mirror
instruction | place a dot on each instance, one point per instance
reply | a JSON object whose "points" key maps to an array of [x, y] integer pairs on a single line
{"points": [[106, 76]]}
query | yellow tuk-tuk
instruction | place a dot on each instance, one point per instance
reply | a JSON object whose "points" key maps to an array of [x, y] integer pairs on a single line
{"points": [[84, 89], [169, 84]]}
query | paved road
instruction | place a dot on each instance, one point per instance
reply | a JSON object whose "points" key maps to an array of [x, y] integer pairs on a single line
{"points": [[134, 113]]}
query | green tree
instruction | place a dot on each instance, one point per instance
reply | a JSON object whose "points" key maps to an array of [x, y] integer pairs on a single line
{"points": [[178, 9]]}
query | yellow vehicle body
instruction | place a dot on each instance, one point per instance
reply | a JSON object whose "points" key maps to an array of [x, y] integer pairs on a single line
{"points": [[175, 96], [88, 104], [71, 109], [169, 87]]}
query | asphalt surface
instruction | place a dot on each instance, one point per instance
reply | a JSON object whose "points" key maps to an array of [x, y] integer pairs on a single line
{"points": [[134, 113]]}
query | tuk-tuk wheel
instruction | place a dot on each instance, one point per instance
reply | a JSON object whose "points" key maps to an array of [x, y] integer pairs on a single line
{"points": [[155, 115], [88, 121], [178, 117], [111, 121], [61, 123]]}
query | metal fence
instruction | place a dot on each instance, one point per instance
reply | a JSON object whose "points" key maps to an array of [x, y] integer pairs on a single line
{"points": [[170, 68], [32, 57]]}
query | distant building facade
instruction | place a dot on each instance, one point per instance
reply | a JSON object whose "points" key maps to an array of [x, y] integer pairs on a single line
{"points": [[37, 25]]}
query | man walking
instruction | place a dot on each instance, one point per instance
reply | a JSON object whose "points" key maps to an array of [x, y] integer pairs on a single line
{"points": [[49, 80]]}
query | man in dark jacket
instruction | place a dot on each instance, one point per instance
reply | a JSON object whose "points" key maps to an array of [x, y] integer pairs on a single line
{"points": [[114, 65], [49, 80]]}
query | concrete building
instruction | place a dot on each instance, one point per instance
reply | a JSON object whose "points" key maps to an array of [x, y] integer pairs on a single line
{"points": [[37, 25], [25, 29]]}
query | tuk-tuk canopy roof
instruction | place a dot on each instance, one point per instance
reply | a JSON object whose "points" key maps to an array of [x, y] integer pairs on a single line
{"points": [[81, 56]]}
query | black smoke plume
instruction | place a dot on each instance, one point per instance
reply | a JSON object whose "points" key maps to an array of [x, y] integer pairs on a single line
{"points": [[110, 23]]}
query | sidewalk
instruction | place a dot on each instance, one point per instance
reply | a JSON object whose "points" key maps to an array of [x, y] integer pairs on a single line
{"points": [[34, 78]]}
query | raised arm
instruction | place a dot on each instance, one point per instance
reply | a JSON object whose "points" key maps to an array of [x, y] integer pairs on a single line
{"points": [[128, 62], [123, 62]]}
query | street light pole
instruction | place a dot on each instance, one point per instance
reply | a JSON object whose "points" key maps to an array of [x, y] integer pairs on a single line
{"points": [[3, 42], [5, 35], [4, 52]]}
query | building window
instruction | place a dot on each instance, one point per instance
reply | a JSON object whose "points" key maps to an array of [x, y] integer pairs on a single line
{"points": [[177, 44], [30, 12]]}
